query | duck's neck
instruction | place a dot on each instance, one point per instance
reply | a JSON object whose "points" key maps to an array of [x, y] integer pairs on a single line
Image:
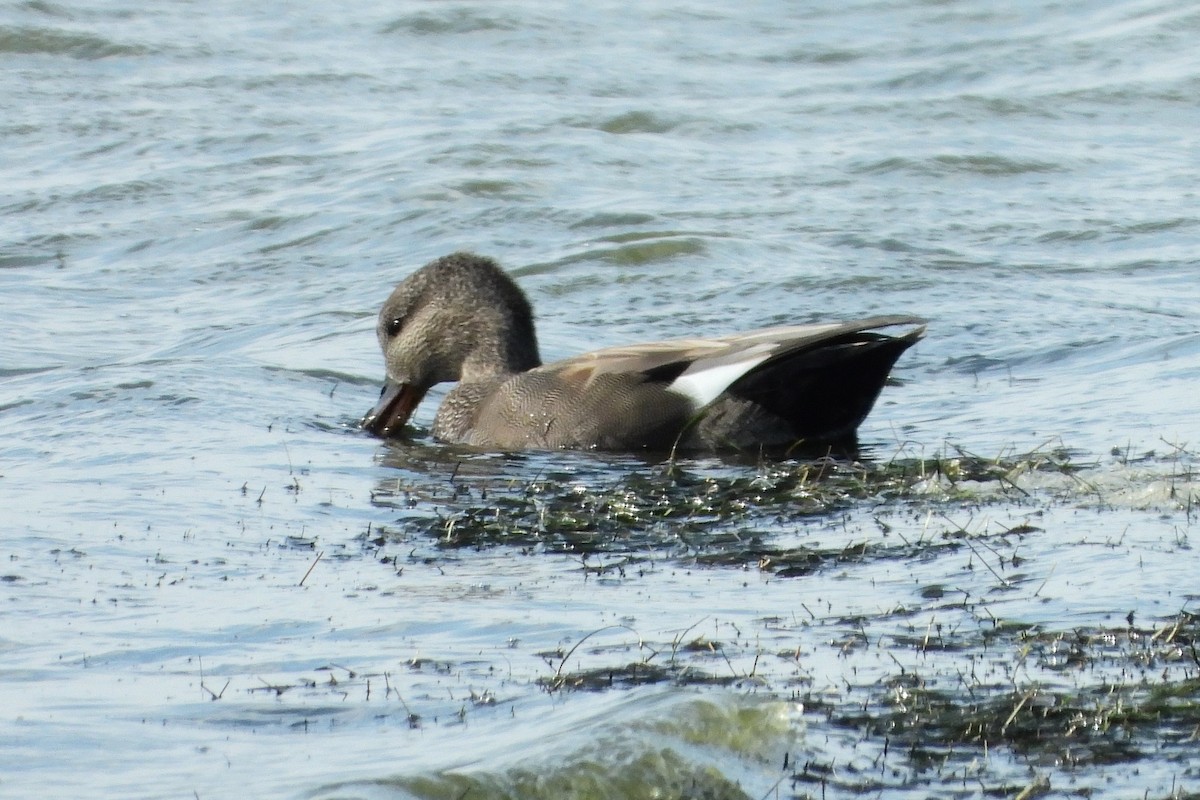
{"points": [[506, 354]]}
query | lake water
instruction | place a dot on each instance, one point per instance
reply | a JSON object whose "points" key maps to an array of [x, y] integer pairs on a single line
{"points": [[215, 585]]}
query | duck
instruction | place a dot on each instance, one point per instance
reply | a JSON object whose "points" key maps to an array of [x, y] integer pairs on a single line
{"points": [[462, 319]]}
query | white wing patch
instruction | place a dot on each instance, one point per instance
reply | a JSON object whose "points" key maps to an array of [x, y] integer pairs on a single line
{"points": [[702, 383]]}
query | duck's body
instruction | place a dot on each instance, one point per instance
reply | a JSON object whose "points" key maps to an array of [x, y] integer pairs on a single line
{"points": [[460, 318]]}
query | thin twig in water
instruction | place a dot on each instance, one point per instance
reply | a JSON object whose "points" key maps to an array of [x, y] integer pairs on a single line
{"points": [[563, 663], [1017, 710], [967, 539], [311, 567], [982, 560], [213, 695], [1048, 574], [775, 788], [928, 629], [679, 639], [1040, 786]]}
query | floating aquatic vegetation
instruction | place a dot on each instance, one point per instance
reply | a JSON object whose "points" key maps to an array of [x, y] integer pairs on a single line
{"points": [[916, 631], [718, 513]]}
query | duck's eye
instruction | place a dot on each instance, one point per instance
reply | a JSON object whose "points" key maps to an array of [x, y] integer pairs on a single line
{"points": [[394, 325]]}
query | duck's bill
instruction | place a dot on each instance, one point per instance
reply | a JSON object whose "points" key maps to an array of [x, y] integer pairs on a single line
{"points": [[396, 404]]}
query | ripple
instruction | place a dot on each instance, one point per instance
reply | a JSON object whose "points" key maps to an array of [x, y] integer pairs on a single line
{"points": [[647, 251], [29, 41], [454, 21], [985, 164], [815, 55], [632, 122]]}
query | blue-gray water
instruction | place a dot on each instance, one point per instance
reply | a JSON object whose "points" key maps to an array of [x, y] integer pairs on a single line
{"points": [[202, 206]]}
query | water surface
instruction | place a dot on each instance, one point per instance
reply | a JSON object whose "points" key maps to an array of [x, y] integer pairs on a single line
{"points": [[203, 206]]}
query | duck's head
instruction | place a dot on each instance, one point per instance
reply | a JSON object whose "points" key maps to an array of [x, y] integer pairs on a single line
{"points": [[459, 318]]}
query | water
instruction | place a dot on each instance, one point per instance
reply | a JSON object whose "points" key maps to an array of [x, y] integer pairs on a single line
{"points": [[203, 206]]}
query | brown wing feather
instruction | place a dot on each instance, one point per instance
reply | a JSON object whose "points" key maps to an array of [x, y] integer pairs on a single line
{"points": [[651, 356]]}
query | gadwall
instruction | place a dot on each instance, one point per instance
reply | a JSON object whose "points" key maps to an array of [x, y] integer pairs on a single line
{"points": [[461, 318]]}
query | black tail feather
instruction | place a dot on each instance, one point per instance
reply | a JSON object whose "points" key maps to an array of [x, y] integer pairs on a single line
{"points": [[826, 391]]}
